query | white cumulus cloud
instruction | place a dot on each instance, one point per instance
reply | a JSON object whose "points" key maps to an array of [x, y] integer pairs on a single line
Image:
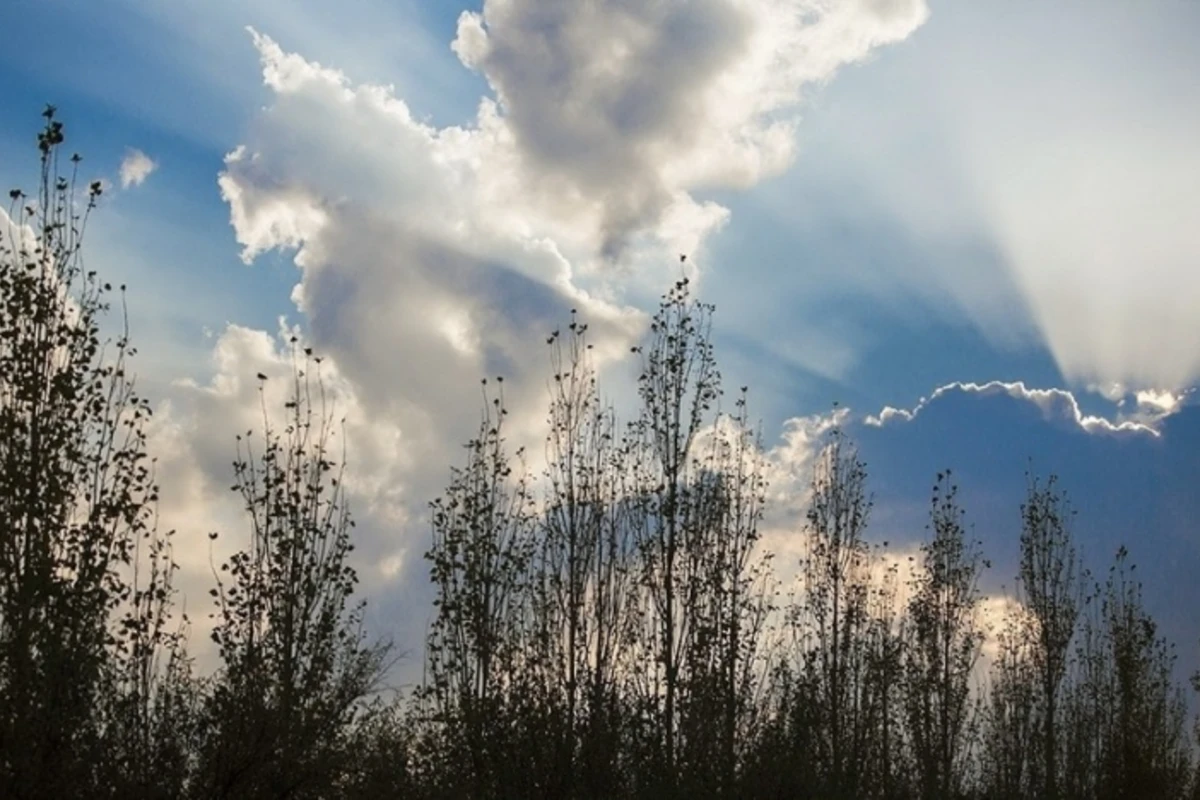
{"points": [[430, 257], [620, 109], [135, 168]]}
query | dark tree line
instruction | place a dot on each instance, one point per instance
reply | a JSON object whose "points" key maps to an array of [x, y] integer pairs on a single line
{"points": [[608, 624], [98, 696]]}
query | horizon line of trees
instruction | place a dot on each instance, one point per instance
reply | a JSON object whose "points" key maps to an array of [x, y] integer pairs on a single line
{"points": [[611, 627]]}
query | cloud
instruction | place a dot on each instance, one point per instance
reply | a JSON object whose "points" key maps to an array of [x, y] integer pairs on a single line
{"points": [[1147, 406], [1063, 143], [1114, 392], [620, 109], [889, 413], [788, 468], [1055, 404], [193, 437], [790, 463], [1130, 484], [1159, 403], [135, 168], [432, 256], [423, 266], [429, 257]]}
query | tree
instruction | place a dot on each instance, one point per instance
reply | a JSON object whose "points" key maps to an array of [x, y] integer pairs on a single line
{"points": [[295, 662], [479, 562], [1050, 574], [944, 647], [379, 751], [728, 600], [696, 493], [1010, 717], [836, 582], [582, 569], [679, 386], [77, 491], [150, 701], [1129, 711], [888, 772]]}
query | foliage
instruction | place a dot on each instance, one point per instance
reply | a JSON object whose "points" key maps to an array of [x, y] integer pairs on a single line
{"points": [[295, 663], [77, 498], [1050, 575]]}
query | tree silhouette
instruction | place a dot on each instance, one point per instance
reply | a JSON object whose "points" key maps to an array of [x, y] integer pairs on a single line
{"points": [[944, 647], [77, 498], [679, 386], [482, 546], [1126, 716], [836, 582], [1051, 581], [582, 570], [295, 663], [1010, 716]]}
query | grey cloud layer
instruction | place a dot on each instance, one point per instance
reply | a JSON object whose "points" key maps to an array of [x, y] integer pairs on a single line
{"points": [[625, 105]]}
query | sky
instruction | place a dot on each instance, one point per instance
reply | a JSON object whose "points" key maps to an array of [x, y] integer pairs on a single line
{"points": [[965, 231]]}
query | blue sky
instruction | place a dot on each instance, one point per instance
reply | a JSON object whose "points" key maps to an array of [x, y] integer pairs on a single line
{"points": [[882, 198]]}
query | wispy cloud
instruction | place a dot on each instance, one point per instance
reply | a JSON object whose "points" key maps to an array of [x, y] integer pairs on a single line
{"points": [[1063, 145]]}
